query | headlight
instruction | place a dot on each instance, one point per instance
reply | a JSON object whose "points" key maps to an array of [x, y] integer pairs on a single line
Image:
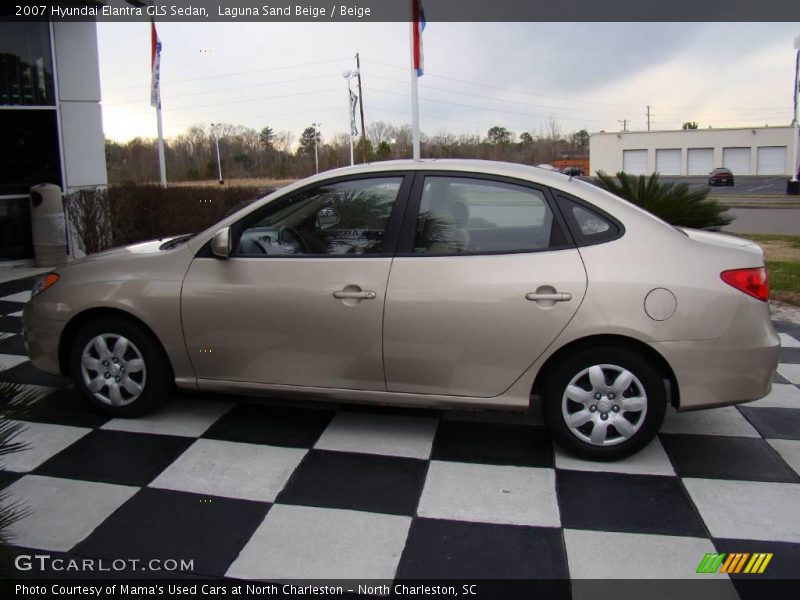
{"points": [[43, 283]]}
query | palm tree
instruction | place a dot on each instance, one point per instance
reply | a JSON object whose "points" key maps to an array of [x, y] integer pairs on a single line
{"points": [[14, 401], [673, 202]]}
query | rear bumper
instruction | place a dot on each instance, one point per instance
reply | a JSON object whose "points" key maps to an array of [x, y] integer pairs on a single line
{"points": [[737, 367]]}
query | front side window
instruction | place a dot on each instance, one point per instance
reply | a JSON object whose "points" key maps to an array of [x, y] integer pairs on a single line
{"points": [[345, 218], [460, 215]]}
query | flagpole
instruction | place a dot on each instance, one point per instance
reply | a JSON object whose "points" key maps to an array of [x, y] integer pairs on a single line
{"points": [[795, 96], [162, 163], [414, 95], [155, 96]]}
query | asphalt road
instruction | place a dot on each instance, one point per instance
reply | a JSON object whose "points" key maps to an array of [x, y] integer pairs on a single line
{"points": [[751, 185], [782, 221]]}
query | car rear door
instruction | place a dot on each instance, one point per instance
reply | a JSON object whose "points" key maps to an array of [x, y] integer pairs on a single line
{"points": [[300, 301], [484, 280]]}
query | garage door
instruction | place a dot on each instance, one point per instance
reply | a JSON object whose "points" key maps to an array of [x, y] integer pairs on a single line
{"points": [[634, 162], [737, 160], [668, 162], [700, 161], [771, 160]]}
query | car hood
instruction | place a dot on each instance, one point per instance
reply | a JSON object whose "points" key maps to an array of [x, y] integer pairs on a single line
{"points": [[149, 247]]}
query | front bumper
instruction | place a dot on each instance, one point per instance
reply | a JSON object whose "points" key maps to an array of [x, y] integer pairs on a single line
{"points": [[737, 367], [41, 334]]}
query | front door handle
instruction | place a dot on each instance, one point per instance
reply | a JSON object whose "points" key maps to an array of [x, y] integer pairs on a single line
{"points": [[353, 295], [551, 297]]}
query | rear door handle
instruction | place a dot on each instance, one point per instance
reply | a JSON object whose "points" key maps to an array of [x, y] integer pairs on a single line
{"points": [[348, 295], [552, 297]]}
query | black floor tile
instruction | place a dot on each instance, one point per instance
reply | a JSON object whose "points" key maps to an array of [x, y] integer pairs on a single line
{"points": [[65, 406], [11, 324], [493, 443], [780, 579], [790, 355], [116, 457], [440, 549], [781, 423], [383, 484], [273, 425], [27, 373], [380, 409], [7, 307], [7, 478], [17, 285], [626, 503], [721, 457], [167, 524], [778, 378], [13, 344]]}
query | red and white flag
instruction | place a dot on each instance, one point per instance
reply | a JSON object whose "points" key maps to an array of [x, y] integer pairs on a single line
{"points": [[155, 63], [418, 18]]}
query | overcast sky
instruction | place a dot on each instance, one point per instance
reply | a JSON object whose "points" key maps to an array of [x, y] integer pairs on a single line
{"points": [[586, 75]]}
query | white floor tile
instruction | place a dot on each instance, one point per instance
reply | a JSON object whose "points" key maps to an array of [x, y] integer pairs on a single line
{"points": [[18, 297], [713, 421], [9, 361], [298, 542], [789, 451], [43, 441], [392, 435], [187, 417], [790, 372], [611, 555], [652, 460], [783, 395], [748, 510], [490, 494], [788, 341], [15, 314], [231, 469], [63, 511]]}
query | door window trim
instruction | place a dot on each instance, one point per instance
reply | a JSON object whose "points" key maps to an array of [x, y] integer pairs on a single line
{"points": [[405, 246]]}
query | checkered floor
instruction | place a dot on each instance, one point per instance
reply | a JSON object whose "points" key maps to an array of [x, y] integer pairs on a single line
{"points": [[277, 490]]}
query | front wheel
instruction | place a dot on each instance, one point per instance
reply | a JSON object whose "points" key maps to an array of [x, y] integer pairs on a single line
{"points": [[119, 367], [604, 403]]}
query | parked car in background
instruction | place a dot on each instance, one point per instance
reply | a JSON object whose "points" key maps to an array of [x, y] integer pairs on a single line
{"points": [[720, 176], [572, 171], [430, 283]]}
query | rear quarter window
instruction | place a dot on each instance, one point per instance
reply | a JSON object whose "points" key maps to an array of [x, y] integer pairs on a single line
{"points": [[588, 224]]}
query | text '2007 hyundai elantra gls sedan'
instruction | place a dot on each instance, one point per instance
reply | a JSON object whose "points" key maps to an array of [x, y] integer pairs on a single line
{"points": [[433, 283]]}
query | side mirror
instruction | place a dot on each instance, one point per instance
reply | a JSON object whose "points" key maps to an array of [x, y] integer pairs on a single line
{"points": [[221, 243]]}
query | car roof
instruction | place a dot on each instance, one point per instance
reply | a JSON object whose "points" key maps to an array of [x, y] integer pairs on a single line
{"points": [[489, 167]]}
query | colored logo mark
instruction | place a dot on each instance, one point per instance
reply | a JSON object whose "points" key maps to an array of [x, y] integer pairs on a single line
{"points": [[735, 562]]}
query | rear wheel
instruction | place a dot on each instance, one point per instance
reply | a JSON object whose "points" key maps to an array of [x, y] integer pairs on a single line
{"points": [[604, 403], [119, 367]]}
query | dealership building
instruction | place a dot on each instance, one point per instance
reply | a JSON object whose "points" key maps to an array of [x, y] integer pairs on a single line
{"points": [[50, 121], [745, 151]]}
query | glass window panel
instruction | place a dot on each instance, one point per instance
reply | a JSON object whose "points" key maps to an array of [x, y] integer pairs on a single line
{"points": [[26, 64], [346, 218], [461, 215]]}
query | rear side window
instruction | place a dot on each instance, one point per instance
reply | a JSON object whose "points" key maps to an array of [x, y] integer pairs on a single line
{"points": [[461, 215], [588, 224]]}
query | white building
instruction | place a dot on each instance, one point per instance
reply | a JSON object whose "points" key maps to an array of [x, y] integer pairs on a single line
{"points": [[745, 151], [50, 120]]}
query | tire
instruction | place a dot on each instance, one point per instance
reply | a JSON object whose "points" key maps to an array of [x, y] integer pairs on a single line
{"points": [[141, 374], [591, 435]]}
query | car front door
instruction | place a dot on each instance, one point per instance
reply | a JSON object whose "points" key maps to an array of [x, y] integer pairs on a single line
{"points": [[300, 300], [484, 280]]}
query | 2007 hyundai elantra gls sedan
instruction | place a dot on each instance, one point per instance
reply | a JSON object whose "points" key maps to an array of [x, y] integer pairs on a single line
{"points": [[433, 283]]}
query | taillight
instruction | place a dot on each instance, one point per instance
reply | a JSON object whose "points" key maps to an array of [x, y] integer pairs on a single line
{"points": [[753, 282]]}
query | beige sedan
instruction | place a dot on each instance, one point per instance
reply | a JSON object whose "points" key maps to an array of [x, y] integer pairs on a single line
{"points": [[432, 283]]}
